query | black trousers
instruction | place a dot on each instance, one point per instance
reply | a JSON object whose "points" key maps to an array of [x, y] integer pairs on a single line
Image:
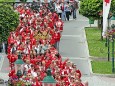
{"points": [[67, 15], [59, 14]]}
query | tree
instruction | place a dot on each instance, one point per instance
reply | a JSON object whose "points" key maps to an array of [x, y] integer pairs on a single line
{"points": [[112, 9], [9, 20], [7, 0], [91, 8]]}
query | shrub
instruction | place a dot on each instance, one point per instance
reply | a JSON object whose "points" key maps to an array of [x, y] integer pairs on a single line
{"points": [[9, 20]]}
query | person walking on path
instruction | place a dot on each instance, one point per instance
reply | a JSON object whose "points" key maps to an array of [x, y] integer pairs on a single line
{"points": [[58, 9], [74, 8], [63, 11], [67, 10]]}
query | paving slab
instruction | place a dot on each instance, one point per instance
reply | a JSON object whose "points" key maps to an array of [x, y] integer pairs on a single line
{"points": [[99, 80], [4, 64], [73, 47]]}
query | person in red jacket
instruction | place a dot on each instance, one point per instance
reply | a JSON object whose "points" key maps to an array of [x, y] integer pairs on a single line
{"points": [[59, 25], [57, 37]]}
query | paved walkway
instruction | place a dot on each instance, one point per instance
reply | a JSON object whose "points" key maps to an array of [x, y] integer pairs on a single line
{"points": [[4, 68], [94, 80], [73, 43]]}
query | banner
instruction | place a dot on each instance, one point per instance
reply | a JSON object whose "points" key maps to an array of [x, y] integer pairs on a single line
{"points": [[106, 8]]}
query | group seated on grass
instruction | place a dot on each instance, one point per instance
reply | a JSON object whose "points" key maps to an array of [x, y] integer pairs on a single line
{"points": [[36, 38]]}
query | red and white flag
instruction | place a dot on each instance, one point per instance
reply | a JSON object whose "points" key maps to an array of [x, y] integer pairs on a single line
{"points": [[106, 8]]}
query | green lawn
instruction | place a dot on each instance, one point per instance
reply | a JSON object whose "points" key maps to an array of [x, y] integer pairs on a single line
{"points": [[95, 44], [98, 50], [102, 67]]}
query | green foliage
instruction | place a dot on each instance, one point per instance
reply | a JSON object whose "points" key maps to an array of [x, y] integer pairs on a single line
{"points": [[113, 7], [9, 20], [23, 0], [7, 0], [80, 0], [91, 8]]}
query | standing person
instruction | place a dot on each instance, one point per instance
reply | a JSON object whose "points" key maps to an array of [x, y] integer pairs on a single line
{"points": [[57, 37], [74, 8], [59, 25], [58, 9], [67, 10], [63, 12], [52, 5]]}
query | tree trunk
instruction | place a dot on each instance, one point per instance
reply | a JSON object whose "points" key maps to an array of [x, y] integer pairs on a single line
{"points": [[101, 27], [99, 23], [101, 34]]}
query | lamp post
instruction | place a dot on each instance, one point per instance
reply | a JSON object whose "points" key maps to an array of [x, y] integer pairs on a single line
{"points": [[49, 80], [19, 66], [112, 54], [107, 43], [113, 27]]}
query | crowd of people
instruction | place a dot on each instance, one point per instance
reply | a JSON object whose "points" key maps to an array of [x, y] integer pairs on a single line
{"points": [[36, 40], [66, 9]]}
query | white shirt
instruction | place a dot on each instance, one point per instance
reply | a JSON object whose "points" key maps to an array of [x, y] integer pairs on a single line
{"points": [[34, 74], [58, 8], [26, 50], [27, 67], [38, 48]]}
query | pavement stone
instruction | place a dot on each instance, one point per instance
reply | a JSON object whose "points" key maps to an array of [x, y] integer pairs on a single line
{"points": [[73, 43], [1, 60], [99, 80], [4, 76]]}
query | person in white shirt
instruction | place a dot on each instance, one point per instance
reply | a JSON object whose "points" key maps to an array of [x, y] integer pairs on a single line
{"points": [[27, 66], [58, 9], [34, 74], [13, 49], [38, 47]]}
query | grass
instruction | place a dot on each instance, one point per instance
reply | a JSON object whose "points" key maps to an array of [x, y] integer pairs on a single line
{"points": [[102, 67], [95, 44], [98, 50]]}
